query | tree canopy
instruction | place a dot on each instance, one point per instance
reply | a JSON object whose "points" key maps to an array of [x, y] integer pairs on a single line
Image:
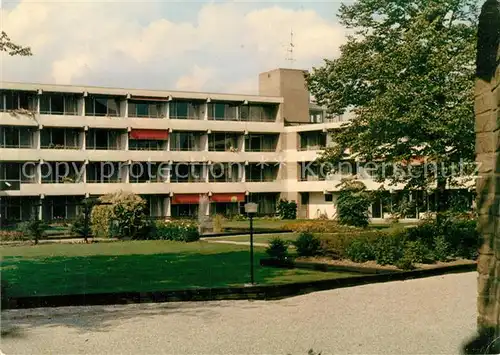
{"points": [[407, 73], [6, 45]]}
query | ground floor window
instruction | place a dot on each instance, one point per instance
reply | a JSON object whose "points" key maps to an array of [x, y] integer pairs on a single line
{"points": [[184, 211], [266, 201], [227, 209]]}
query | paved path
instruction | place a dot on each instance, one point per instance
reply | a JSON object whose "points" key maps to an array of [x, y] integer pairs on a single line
{"points": [[425, 316], [211, 240]]}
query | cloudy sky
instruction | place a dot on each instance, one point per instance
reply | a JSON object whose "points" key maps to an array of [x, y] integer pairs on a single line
{"points": [[185, 45]]}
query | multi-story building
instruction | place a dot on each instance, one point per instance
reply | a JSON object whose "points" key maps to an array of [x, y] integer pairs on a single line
{"points": [[59, 144]]}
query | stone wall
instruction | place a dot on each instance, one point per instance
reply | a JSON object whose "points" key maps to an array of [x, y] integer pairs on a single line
{"points": [[487, 100]]}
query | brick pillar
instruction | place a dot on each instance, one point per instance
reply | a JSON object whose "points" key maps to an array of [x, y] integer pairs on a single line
{"points": [[487, 99]]}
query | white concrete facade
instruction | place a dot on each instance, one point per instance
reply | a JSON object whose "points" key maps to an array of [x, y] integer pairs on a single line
{"points": [[96, 133]]}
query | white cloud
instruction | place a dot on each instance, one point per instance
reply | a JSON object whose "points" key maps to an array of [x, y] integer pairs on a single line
{"points": [[121, 44], [195, 81]]}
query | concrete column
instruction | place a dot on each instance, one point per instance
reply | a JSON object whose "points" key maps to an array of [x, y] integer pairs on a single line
{"points": [[81, 106], [167, 207], [487, 99], [124, 108]]}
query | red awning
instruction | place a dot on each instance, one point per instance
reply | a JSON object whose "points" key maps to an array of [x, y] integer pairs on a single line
{"points": [[185, 199], [150, 134], [228, 197]]}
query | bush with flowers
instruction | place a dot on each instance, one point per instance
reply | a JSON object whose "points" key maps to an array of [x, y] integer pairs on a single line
{"points": [[180, 231]]}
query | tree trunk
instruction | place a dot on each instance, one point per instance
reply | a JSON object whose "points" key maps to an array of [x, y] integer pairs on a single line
{"points": [[441, 199]]}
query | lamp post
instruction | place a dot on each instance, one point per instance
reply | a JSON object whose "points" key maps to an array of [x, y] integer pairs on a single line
{"points": [[251, 210]]}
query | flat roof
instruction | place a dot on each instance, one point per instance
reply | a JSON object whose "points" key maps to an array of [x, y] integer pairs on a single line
{"points": [[4, 85]]}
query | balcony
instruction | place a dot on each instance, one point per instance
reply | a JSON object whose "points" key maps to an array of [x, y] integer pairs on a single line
{"points": [[261, 172], [59, 104], [185, 142], [152, 108], [222, 111], [98, 105], [261, 142], [62, 173], [61, 138], [16, 137], [258, 113], [147, 172], [225, 142], [310, 141], [106, 173], [105, 139], [186, 110], [188, 173], [224, 172]]}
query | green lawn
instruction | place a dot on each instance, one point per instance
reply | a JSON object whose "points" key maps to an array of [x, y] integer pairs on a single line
{"points": [[55, 269]]}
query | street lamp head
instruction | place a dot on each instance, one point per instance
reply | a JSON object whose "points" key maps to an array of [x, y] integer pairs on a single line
{"points": [[251, 208], [8, 184]]}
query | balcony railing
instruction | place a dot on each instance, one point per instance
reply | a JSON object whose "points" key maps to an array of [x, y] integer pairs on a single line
{"points": [[192, 117], [17, 146], [105, 181], [59, 146], [263, 179]]}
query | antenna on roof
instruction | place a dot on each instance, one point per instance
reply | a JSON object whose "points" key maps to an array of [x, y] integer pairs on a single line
{"points": [[290, 50]]}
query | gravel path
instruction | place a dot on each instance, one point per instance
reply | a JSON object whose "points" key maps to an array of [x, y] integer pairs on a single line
{"points": [[426, 316]]}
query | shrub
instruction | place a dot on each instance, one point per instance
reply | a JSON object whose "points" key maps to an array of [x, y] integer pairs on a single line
{"points": [[34, 229], [11, 235], [405, 263], [180, 231], [360, 250], [417, 252], [319, 226], [218, 223], [441, 248], [125, 217], [352, 205], [425, 233], [287, 209], [389, 249], [462, 237], [79, 228], [278, 248], [307, 244]]}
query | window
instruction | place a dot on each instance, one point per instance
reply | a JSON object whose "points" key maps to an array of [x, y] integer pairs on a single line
{"points": [[222, 111], [222, 172], [261, 143], [16, 137], [58, 104], [146, 109], [312, 140], [185, 110], [60, 138], [141, 144], [103, 139], [258, 113], [316, 116], [102, 106], [184, 141], [188, 172], [223, 142], [15, 100], [328, 198]]}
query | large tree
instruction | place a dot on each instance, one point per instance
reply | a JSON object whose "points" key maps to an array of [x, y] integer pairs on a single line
{"points": [[407, 74], [6, 45]]}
